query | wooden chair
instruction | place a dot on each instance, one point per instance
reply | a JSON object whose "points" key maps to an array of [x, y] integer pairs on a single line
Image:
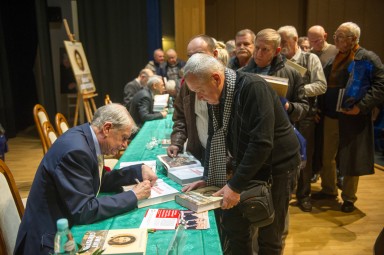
{"points": [[40, 116], [11, 210], [50, 134], [107, 100], [61, 123]]}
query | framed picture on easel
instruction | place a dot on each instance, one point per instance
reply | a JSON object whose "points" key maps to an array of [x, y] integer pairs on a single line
{"points": [[80, 67]]}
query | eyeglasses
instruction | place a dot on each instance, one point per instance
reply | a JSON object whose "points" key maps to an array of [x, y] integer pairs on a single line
{"points": [[341, 37]]}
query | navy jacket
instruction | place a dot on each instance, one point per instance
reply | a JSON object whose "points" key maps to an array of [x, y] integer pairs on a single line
{"points": [[65, 186]]}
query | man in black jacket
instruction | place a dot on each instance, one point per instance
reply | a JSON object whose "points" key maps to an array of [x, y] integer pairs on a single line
{"points": [[248, 122]]}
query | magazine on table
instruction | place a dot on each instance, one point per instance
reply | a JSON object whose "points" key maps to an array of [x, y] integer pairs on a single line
{"points": [[169, 219]]}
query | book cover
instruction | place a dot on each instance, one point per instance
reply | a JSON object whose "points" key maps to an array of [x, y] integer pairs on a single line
{"points": [[160, 192], [115, 241], [161, 219], [194, 220], [200, 200], [186, 175], [302, 70], [279, 84], [179, 162]]}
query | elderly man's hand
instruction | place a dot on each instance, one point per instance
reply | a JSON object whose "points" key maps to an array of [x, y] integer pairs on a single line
{"points": [[148, 174], [172, 151], [142, 190], [230, 198], [194, 185]]}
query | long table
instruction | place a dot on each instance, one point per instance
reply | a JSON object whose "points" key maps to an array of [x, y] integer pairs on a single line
{"points": [[197, 241]]}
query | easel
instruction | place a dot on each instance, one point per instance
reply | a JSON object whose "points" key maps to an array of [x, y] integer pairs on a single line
{"points": [[87, 98]]}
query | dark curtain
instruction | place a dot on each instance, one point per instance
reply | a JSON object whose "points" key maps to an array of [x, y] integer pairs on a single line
{"points": [[154, 26], [19, 37], [114, 37]]}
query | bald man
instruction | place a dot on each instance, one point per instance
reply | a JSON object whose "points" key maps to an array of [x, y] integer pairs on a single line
{"points": [[172, 67], [318, 41]]}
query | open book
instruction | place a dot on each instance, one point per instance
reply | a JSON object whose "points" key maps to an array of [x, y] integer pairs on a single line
{"points": [[115, 241], [200, 200], [160, 192], [160, 102], [279, 84], [302, 70]]}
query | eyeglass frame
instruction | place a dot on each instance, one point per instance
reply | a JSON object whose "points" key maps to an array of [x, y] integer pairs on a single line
{"points": [[337, 37]]}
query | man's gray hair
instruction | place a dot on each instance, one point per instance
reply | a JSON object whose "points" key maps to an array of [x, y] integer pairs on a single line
{"points": [[246, 32], [202, 66], [289, 30], [117, 114], [269, 35], [153, 80], [353, 28]]}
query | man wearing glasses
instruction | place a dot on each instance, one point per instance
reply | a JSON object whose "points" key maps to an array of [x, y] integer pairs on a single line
{"points": [[349, 132]]}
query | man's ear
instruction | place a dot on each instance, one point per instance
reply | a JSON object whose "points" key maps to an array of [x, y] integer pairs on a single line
{"points": [[217, 78], [107, 128]]}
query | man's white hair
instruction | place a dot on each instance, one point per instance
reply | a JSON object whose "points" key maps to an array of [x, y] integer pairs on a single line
{"points": [[289, 30], [117, 114], [202, 66], [154, 79], [353, 28]]}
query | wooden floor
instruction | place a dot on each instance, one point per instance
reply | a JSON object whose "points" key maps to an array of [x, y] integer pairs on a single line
{"points": [[325, 230]]}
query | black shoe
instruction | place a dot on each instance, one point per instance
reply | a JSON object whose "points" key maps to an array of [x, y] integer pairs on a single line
{"points": [[315, 178], [305, 205], [347, 207], [320, 195]]}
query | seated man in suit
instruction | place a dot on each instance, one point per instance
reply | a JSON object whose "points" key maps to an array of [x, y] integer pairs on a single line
{"points": [[141, 107], [135, 85], [70, 177]]}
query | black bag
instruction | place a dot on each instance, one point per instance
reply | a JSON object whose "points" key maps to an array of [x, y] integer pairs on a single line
{"points": [[256, 203]]}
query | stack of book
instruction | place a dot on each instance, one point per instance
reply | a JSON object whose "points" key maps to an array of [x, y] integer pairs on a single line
{"points": [[182, 169], [200, 200], [160, 102]]}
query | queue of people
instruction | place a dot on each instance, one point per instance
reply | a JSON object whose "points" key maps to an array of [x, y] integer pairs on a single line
{"points": [[227, 115]]}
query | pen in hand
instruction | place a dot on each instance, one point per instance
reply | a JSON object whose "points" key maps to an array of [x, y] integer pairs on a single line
{"points": [[137, 181]]}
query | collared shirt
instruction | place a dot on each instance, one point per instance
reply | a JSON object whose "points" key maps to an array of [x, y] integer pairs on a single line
{"points": [[317, 83]]}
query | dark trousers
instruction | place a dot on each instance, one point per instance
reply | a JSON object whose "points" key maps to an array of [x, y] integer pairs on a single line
{"points": [[237, 229], [307, 129]]}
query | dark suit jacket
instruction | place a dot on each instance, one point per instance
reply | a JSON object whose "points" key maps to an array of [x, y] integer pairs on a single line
{"points": [[141, 108], [130, 90], [65, 186]]}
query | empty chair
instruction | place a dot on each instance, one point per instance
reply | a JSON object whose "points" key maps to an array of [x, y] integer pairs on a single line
{"points": [[49, 134], [11, 210], [61, 123], [40, 116]]}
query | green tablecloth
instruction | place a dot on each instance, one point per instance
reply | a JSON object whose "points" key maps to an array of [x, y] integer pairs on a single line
{"points": [[197, 241]]}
